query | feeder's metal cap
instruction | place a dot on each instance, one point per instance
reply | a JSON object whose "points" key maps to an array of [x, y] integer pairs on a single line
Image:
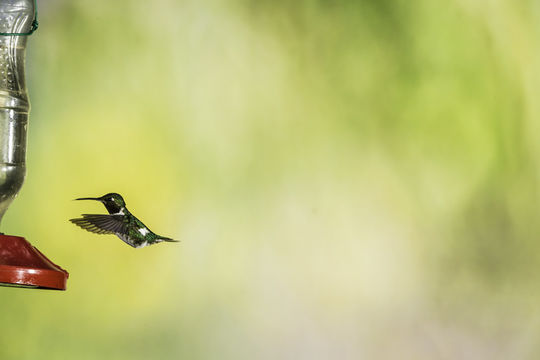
{"points": [[23, 265]]}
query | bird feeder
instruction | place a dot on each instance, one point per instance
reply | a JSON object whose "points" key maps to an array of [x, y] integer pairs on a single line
{"points": [[21, 264]]}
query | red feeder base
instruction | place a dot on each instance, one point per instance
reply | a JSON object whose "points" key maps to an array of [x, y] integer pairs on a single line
{"points": [[23, 265]]}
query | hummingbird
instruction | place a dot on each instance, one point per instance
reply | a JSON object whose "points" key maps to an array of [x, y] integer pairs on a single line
{"points": [[119, 222]]}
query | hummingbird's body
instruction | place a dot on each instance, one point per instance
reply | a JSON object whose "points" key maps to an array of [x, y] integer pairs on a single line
{"points": [[119, 222]]}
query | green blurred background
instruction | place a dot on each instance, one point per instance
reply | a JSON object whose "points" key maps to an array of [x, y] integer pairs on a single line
{"points": [[349, 179]]}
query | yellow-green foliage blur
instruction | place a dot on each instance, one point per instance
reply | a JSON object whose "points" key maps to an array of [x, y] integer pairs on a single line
{"points": [[348, 179]]}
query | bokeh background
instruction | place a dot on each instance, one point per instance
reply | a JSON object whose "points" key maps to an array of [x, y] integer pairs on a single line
{"points": [[349, 180]]}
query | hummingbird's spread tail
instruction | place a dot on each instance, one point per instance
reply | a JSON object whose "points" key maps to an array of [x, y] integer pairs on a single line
{"points": [[167, 239]]}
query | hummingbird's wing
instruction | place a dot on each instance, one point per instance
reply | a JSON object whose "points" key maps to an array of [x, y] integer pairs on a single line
{"points": [[102, 224]]}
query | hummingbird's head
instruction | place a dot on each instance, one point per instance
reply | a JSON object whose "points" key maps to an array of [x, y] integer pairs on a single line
{"points": [[112, 201]]}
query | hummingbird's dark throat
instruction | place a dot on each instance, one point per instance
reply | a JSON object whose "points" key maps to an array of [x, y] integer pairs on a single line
{"points": [[114, 208]]}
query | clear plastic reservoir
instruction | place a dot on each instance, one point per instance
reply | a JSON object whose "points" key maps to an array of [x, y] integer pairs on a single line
{"points": [[16, 17]]}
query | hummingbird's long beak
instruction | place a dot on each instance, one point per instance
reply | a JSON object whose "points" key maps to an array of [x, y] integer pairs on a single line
{"points": [[88, 198]]}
